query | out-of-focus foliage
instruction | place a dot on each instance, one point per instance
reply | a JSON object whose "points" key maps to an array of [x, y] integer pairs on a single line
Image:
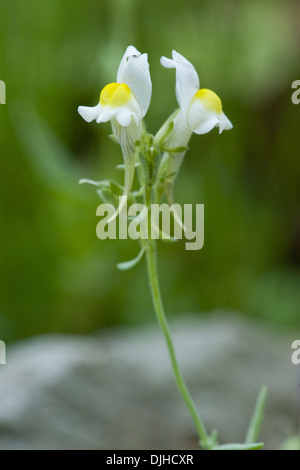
{"points": [[55, 275]]}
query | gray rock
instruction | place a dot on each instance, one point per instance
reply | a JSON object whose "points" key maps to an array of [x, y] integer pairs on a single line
{"points": [[116, 390]]}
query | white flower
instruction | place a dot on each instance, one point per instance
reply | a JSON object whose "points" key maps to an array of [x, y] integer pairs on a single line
{"points": [[128, 98], [125, 103], [201, 109]]}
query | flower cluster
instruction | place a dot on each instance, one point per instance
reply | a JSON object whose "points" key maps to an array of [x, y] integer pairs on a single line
{"points": [[158, 159], [125, 103]]}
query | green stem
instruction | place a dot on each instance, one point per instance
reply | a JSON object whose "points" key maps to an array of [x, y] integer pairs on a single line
{"points": [[157, 301]]}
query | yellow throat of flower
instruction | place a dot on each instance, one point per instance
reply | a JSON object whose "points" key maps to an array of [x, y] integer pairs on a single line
{"points": [[115, 94], [210, 100]]}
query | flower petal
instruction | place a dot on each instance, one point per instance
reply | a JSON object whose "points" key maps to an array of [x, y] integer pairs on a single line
{"points": [[126, 136], [124, 117], [89, 113], [106, 113], [224, 123], [187, 80], [207, 125], [200, 119], [130, 51], [134, 71]]}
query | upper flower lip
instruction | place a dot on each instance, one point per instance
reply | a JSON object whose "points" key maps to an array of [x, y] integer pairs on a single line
{"points": [[187, 80], [133, 73], [200, 111]]}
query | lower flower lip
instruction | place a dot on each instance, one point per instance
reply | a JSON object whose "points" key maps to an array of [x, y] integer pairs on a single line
{"points": [[209, 99], [115, 95]]}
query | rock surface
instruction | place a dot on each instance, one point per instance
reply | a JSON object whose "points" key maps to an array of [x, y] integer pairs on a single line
{"points": [[115, 390]]}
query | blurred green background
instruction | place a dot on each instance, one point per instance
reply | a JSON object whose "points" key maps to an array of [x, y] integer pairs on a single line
{"points": [[55, 275]]}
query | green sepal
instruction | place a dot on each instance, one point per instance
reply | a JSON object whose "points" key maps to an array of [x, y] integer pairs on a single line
{"points": [[169, 129], [107, 197], [144, 165], [166, 129], [110, 191], [168, 176], [175, 150], [113, 139]]}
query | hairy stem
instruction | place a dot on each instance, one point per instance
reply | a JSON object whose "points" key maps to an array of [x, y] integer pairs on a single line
{"points": [[159, 310]]}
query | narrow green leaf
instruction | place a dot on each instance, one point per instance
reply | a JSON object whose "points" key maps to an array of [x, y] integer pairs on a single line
{"points": [[122, 166], [126, 265], [91, 182], [257, 417], [211, 441], [254, 446], [116, 188]]}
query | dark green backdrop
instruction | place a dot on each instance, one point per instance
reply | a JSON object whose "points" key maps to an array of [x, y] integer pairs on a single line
{"points": [[55, 275]]}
